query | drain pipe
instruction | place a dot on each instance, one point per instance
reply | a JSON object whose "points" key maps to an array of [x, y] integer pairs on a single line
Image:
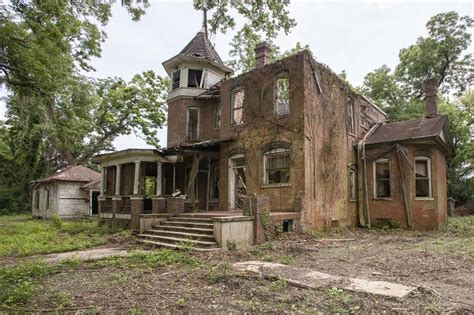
{"points": [[363, 158]]}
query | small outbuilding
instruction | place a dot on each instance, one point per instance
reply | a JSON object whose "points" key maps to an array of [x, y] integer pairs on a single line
{"points": [[68, 193]]}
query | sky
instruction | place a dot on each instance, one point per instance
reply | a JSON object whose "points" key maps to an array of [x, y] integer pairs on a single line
{"points": [[354, 36]]}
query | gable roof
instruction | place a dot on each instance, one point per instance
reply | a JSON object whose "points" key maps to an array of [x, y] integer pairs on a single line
{"points": [[77, 173], [415, 129]]}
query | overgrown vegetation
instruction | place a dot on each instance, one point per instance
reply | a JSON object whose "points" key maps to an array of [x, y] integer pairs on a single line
{"points": [[20, 235]]}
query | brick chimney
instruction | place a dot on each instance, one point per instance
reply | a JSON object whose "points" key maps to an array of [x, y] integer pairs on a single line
{"points": [[430, 87], [262, 54]]}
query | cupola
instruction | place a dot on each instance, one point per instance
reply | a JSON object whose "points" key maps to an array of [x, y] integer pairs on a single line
{"points": [[196, 68]]}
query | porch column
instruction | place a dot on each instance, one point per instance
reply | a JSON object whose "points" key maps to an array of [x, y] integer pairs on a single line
{"points": [[158, 178], [117, 179], [136, 177], [104, 181]]}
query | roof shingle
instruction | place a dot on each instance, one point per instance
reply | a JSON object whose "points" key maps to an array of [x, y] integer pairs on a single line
{"points": [[77, 173]]}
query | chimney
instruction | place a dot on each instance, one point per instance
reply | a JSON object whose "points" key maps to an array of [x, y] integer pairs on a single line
{"points": [[262, 54], [430, 87]]}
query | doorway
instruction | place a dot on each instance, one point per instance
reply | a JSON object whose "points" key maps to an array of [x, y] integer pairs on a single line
{"points": [[95, 203], [237, 181]]}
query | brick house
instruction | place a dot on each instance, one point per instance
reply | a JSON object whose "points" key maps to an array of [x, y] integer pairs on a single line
{"points": [[289, 139]]}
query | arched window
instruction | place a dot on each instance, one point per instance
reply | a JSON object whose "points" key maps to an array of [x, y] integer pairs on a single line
{"points": [[423, 177], [277, 166]]}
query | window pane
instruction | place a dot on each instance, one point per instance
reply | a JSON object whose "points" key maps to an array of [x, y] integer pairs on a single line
{"points": [[383, 188], [194, 78], [422, 188], [217, 122], [237, 104], [193, 117], [421, 168], [238, 113], [352, 185], [382, 170], [282, 102], [277, 167], [278, 176]]}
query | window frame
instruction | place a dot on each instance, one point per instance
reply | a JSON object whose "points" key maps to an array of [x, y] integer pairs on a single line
{"points": [[198, 122], [374, 166], [351, 118], [201, 82], [266, 155], [281, 76], [352, 197], [234, 109], [430, 188]]}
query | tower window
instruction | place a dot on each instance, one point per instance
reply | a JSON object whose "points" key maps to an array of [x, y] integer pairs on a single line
{"points": [[194, 78], [176, 78], [193, 123], [282, 96]]}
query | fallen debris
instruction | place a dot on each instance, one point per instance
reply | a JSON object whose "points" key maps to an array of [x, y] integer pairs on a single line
{"points": [[85, 255], [307, 278]]}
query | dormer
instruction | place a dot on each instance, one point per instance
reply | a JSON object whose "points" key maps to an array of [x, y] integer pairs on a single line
{"points": [[195, 69]]}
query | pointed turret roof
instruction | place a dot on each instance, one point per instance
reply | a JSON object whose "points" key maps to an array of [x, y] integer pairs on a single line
{"points": [[201, 48]]}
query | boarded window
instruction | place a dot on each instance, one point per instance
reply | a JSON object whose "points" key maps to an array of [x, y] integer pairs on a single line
{"points": [[282, 95], [127, 177], [237, 106], [194, 78], [193, 123], [277, 166], [176, 78], [382, 179], [352, 185], [217, 117], [351, 119], [423, 177]]}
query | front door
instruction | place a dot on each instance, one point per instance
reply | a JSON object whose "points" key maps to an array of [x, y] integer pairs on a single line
{"points": [[237, 181]]}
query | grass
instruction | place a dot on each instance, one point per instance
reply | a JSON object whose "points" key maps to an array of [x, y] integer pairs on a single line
{"points": [[21, 235]]}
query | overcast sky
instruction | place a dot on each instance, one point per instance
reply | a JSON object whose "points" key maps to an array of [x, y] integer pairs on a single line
{"points": [[357, 37]]}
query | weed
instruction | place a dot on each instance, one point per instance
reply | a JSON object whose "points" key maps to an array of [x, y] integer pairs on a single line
{"points": [[60, 299], [136, 311], [219, 273], [19, 283], [231, 245], [56, 222], [181, 302], [286, 259], [279, 284]]}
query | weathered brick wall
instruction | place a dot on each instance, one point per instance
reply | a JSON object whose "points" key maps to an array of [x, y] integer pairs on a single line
{"points": [[426, 213], [177, 112], [263, 127]]}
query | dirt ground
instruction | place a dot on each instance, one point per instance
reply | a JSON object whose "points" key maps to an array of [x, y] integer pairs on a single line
{"points": [[439, 265]]}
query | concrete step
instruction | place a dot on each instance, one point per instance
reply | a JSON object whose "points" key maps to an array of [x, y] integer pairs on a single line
{"points": [[189, 224], [177, 240], [190, 219], [174, 246], [186, 234], [204, 231]]}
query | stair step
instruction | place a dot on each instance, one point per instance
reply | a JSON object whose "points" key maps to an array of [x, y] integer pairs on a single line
{"points": [[190, 224], [203, 231], [190, 219], [208, 237], [175, 246], [169, 239]]}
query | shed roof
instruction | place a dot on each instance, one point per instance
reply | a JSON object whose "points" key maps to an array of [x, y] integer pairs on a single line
{"points": [[77, 173], [409, 130]]}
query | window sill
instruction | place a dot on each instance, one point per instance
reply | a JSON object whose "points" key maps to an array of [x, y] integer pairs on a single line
{"points": [[383, 198], [424, 198], [276, 185]]}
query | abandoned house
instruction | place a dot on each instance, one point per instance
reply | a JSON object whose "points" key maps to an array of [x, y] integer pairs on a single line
{"points": [[285, 145], [70, 193]]}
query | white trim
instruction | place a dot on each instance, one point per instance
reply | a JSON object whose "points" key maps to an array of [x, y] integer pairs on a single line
{"points": [[375, 177], [265, 161], [430, 194]]}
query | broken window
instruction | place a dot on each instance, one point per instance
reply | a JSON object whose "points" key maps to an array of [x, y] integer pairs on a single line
{"points": [[194, 78], [217, 117], [277, 166], [176, 78], [351, 121], [382, 179], [193, 123], [282, 96], [423, 177], [237, 106], [352, 185]]}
